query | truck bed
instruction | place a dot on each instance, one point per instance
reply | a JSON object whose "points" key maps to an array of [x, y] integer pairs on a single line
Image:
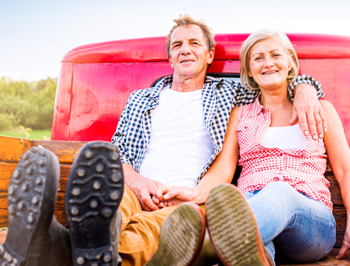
{"points": [[12, 150]]}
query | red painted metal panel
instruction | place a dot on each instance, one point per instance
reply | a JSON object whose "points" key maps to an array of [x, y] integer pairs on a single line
{"points": [[334, 75], [100, 92], [61, 118], [229, 66], [142, 50], [89, 103], [153, 49]]}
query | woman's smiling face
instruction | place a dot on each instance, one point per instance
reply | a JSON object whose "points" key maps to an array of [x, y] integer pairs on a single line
{"points": [[269, 64]]}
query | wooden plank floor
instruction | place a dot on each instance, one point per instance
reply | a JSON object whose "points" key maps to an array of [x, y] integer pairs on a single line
{"points": [[329, 261]]}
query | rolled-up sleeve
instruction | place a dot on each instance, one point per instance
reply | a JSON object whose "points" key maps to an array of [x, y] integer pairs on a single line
{"points": [[309, 80]]}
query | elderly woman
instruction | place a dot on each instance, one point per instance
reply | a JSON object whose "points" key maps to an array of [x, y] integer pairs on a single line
{"points": [[285, 196]]}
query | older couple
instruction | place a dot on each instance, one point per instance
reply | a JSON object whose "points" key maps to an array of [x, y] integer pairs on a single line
{"points": [[171, 143], [282, 200]]}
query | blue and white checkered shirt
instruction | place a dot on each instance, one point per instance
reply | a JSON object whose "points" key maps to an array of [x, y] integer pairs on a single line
{"points": [[219, 96]]}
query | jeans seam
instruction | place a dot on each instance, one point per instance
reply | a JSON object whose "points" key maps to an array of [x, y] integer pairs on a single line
{"points": [[326, 252]]}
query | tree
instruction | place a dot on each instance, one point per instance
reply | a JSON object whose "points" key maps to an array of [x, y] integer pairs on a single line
{"points": [[27, 104]]}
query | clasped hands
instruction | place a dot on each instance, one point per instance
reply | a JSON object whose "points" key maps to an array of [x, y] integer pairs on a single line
{"points": [[154, 195], [166, 196]]}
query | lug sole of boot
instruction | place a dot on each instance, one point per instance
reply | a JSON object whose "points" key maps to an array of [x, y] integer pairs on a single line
{"points": [[233, 228], [181, 237], [32, 196], [93, 194]]}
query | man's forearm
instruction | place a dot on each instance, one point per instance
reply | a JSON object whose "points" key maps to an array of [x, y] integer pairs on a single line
{"points": [[130, 175]]}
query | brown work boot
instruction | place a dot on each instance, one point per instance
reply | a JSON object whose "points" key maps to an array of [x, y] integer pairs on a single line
{"points": [[181, 237], [233, 228], [34, 236], [94, 191]]}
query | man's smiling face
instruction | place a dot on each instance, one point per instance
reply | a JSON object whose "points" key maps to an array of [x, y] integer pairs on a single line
{"points": [[189, 55]]}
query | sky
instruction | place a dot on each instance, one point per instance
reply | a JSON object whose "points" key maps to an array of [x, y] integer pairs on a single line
{"points": [[36, 34]]}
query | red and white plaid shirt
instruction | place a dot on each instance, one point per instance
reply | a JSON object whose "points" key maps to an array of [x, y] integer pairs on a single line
{"points": [[302, 169]]}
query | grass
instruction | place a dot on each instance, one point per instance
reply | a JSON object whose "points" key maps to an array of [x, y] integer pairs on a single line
{"points": [[34, 135]]}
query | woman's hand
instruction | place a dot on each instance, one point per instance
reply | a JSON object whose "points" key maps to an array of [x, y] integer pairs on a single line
{"points": [[346, 241]]}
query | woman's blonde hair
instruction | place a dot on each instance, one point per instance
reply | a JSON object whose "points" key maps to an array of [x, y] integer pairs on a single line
{"points": [[256, 37]]}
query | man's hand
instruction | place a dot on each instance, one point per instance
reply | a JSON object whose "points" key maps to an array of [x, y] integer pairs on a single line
{"points": [[174, 195], [308, 110], [142, 187]]}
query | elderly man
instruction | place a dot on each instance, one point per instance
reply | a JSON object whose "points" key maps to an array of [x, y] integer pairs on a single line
{"points": [[168, 136]]}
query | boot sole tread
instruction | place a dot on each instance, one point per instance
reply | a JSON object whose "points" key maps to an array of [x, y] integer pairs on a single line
{"points": [[94, 191], [233, 228], [180, 238], [27, 213]]}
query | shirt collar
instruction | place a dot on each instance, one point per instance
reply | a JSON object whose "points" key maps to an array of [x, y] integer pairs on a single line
{"points": [[168, 80], [210, 79], [257, 107], [155, 91]]}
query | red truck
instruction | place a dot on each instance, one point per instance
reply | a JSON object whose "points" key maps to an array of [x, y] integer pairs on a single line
{"points": [[97, 79]]}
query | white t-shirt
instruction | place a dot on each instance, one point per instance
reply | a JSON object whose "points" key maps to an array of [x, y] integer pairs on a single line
{"points": [[180, 145]]}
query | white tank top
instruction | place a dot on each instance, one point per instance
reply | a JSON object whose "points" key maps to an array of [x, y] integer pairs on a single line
{"points": [[180, 145], [285, 138]]}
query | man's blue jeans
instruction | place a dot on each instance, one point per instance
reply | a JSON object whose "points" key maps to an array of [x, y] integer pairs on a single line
{"points": [[301, 228]]}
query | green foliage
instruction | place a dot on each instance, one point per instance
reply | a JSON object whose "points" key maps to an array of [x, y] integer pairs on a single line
{"points": [[6, 122], [28, 104]]}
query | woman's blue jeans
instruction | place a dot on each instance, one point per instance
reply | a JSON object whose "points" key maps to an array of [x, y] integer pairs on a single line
{"points": [[301, 228]]}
